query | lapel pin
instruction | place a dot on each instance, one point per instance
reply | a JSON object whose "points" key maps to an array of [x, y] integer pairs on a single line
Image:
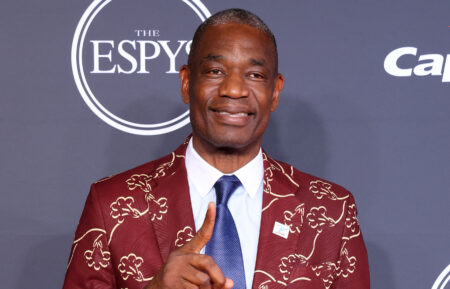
{"points": [[281, 230]]}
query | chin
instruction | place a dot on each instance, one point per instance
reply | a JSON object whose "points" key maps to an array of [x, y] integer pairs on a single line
{"points": [[229, 138], [232, 142]]}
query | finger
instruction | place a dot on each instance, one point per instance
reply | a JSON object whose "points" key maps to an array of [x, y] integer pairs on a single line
{"points": [[197, 277], [188, 285], [207, 265], [228, 284], [203, 235]]}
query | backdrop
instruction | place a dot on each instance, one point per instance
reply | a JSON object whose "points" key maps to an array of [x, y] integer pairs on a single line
{"points": [[90, 88]]}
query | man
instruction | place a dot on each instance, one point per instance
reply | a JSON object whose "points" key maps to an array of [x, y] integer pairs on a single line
{"points": [[278, 227]]}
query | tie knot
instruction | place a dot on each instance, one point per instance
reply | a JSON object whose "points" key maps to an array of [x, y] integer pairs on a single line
{"points": [[225, 187]]}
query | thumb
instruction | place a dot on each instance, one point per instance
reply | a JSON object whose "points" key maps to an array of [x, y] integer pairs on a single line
{"points": [[228, 283], [203, 235]]}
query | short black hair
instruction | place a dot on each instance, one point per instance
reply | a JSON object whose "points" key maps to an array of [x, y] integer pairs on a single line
{"points": [[233, 15]]}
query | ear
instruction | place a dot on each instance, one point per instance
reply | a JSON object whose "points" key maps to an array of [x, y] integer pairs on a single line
{"points": [[184, 77], [278, 87]]}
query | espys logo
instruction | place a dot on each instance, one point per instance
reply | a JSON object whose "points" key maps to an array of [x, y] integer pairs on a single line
{"points": [[125, 56], [443, 279], [405, 61]]}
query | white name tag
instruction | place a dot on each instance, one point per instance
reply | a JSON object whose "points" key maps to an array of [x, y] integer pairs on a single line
{"points": [[281, 230]]}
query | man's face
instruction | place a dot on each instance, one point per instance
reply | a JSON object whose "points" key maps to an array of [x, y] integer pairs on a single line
{"points": [[231, 86]]}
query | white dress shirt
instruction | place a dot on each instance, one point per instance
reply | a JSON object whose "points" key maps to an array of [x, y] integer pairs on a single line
{"points": [[245, 203]]}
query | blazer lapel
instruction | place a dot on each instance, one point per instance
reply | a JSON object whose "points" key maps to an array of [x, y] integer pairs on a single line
{"points": [[176, 227], [280, 205]]}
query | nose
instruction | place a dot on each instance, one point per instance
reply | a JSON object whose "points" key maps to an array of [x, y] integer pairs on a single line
{"points": [[234, 86]]}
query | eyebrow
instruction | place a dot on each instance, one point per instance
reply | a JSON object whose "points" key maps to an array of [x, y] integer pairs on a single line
{"points": [[212, 57], [258, 62], [253, 61]]}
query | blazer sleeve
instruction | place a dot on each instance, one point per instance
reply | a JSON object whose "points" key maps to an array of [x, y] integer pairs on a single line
{"points": [[90, 265], [353, 269]]}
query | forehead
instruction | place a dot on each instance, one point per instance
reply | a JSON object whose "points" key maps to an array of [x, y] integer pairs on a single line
{"points": [[235, 40]]}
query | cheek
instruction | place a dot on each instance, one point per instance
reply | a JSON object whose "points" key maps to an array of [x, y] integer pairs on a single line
{"points": [[265, 100], [201, 97], [198, 110], [265, 107]]}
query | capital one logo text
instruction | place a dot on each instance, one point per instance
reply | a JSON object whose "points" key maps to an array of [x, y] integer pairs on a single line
{"points": [[418, 64]]}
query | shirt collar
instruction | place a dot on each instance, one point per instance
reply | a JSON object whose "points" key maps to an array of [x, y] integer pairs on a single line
{"points": [[203, 175]]}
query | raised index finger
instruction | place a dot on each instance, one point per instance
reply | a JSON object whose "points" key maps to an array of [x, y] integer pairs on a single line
{"points": [[204, 234]]}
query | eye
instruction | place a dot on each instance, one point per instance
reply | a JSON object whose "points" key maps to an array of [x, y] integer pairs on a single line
{"points": [[214, 71], [256, 75]]}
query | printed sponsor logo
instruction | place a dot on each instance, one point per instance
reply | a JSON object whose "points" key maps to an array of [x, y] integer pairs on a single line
{"points": [[408, 61], [125, 56]]}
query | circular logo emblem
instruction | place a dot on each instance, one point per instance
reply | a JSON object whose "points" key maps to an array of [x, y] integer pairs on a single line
{"points": [[125, 56], [443, 279]]}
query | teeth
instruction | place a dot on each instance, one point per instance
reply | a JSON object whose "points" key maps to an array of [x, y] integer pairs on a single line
{"points": [[239, 114]]}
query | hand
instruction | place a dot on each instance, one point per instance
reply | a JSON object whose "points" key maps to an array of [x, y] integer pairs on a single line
{"points": [[187, 268]]}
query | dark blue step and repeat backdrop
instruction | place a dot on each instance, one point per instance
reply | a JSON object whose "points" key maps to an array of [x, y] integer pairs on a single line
{"points": [[90, 88]]}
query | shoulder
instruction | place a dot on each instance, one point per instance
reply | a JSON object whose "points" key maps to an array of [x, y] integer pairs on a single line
{"points": [[143, 169], [137, 180], [312, 188]]}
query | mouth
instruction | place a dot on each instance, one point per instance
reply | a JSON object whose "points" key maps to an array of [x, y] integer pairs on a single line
{"points": [[232, 110], [232, 116]]}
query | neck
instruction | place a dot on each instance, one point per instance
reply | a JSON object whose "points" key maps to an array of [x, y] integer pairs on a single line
{"points": [[225, 159]]}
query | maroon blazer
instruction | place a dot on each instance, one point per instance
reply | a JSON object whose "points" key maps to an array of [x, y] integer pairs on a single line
{"points": [[133, 220]]}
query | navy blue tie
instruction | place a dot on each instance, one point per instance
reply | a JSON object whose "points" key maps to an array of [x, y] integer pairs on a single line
{"points": [[224, 245]]}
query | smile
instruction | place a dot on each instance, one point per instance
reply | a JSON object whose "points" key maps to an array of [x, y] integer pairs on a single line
{"points": [[238, 114], [232, 116], [232, 111]]}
